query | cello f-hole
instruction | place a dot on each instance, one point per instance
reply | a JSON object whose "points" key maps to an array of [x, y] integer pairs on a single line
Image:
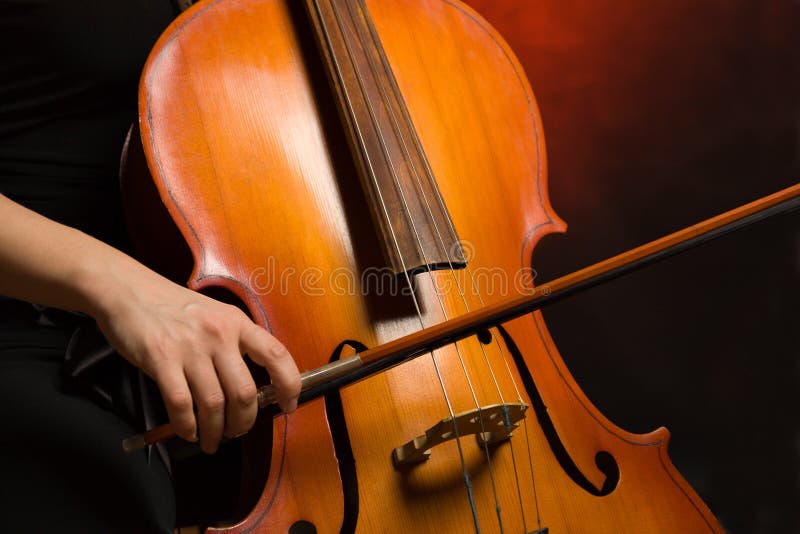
{"points": [[605, 462]]}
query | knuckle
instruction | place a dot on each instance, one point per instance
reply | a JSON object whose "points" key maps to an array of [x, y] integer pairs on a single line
{"points": [[246, 393], [277, 351], [283, 353], [179, 401], [213, 403], [252, 327], [213, 328], [296, 384], [222, 324], [234, 312], [156, 347]]}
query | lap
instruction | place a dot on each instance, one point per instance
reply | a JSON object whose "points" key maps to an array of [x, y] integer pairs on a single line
{"points": [[60, 457]]}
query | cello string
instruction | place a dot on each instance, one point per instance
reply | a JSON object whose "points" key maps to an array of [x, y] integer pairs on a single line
{"points": [[485, 357], [373, 176], [525, 429], [449, 221], [495, 342], [420, 248], [447, 252], [528, 448], [445, 249], [482, 304], [533, 479]]}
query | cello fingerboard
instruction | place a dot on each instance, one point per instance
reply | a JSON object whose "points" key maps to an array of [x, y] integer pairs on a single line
{"points": [[407, 207]]}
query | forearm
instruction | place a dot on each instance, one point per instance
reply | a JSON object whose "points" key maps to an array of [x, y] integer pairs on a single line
{"points": [[48, 263], [191, 345]]}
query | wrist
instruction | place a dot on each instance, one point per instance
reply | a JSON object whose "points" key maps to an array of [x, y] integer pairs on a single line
{"points": [[102, 285]]}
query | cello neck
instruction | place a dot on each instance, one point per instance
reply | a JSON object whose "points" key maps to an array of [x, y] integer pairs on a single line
{"points": [[413, 223]]}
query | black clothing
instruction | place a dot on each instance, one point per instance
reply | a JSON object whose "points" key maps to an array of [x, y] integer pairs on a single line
{"points": [[68, 83], [60, 458]]}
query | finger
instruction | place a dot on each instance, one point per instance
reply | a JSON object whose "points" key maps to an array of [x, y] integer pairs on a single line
{"points": [[210, 400], [265, 350], [178, 401], [241, 406]]}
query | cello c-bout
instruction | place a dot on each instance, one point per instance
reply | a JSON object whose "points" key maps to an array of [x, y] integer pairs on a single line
{"points": [[349, 192]]}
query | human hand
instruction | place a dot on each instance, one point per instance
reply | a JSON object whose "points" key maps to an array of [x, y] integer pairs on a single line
{"points": [[193, 347], [190, 344]]}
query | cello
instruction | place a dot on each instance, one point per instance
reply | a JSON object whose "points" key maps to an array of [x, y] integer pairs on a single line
{"points": [[421, 168]]}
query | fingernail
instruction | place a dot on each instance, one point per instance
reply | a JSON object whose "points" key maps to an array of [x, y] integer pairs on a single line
{"points": [[194, 438]]}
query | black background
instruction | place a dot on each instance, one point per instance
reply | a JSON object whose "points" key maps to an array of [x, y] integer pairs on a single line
{"points": [[658, 115]]}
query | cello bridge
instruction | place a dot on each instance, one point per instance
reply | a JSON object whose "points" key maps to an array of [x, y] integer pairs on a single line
{"points": [[490, 424]]}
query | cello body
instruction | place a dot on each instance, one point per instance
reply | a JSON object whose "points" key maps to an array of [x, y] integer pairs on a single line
{"points": [[250, 160]]}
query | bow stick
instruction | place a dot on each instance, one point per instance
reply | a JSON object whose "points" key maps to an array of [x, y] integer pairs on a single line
{"points": [[317, 382]]}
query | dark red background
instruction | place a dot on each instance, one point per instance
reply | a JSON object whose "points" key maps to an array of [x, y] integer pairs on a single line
{"points": [[659, 114]]}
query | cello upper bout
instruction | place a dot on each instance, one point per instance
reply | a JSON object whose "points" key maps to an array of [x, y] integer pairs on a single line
{"points": [[475, 113]]}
